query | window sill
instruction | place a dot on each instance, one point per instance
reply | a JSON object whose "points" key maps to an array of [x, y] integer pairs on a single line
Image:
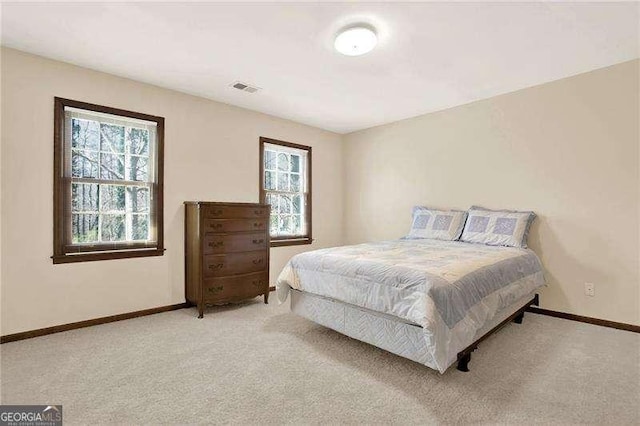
{"points": [[105, 255], [291, 242]]}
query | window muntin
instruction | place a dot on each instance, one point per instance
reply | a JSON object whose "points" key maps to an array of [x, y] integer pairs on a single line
{"points": [[285, 185], [109, 187]]}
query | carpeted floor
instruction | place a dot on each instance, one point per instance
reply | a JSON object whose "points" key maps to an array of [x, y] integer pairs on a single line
{"points": [[254, 363]]}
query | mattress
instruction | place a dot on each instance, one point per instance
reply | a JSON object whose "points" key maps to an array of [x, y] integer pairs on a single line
{"points": [[450, 289]]}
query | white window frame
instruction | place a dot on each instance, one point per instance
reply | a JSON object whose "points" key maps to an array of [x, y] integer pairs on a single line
{"points": [[128, 123]]}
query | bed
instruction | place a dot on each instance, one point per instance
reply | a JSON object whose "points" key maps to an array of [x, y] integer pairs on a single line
{"points": [[427, 300]]}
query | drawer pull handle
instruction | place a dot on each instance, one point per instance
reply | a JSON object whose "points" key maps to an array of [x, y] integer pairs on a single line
{"points": [[216, 225], [257, 283], [260, 241], [216, 266], [217, 212], [214, 289], [257, 261], [216, 244], [257, 224], [258, 212]]}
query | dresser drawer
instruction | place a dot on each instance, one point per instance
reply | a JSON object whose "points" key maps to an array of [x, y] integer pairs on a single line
{"points": [[220, 265], [235, 225], [234, 212], [238, 287], [230, 243]]}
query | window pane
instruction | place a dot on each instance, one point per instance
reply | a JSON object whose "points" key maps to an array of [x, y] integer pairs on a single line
{"points": [[269, 180], [285, 204], [137, 199], [113, 227], [296, 226], [283, 162], [84, 163], [137, 168], [112, 198], [138, 141], [285, 224], [112, 166], [295, 163], [284, 185], [269, 160], [111, 138], [272, 200], [140, 227], [84, 228], [296, 204], [283, 181], [85, 134], [84, 197], [295, 182]]}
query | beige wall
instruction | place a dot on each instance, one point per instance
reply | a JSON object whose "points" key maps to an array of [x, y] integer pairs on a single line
{"points": [[211, 153], [567, 150]]}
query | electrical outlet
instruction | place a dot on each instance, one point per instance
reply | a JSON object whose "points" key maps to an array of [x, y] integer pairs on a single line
{"points": [[589, 289]]}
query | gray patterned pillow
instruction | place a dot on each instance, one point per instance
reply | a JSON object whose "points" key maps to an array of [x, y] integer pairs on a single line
{"points": [[497, 227], [437, 224]]}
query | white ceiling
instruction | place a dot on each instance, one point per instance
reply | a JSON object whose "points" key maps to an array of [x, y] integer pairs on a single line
{"points": [[430, 56]]}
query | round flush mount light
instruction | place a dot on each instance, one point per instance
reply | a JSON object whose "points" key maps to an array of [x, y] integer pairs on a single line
{"points": [[355, 41]]}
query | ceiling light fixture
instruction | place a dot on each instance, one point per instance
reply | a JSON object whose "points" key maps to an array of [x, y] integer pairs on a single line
{"points": [[356, 41]]}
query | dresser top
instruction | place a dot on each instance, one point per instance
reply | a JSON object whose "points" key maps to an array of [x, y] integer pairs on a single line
{"points": [[217, 203]]}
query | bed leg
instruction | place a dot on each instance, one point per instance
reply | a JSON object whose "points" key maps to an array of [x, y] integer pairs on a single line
{"points": [[518, 319], [463, 362], [266, 298]]}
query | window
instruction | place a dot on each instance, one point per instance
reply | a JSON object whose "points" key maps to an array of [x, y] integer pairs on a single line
{"points": [[107, 187], [285, 184]]}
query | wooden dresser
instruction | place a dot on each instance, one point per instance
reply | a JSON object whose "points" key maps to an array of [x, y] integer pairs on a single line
{"points": [[226, 252]]}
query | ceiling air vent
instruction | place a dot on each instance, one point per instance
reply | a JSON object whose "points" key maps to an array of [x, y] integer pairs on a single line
{"points": [[245, 87]]}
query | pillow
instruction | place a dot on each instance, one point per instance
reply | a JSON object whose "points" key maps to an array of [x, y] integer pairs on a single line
{"points": [[437, 224], [497, 227]]}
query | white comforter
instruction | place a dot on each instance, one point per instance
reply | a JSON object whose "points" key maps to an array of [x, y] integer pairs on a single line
{"points": [[449, 288]]}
